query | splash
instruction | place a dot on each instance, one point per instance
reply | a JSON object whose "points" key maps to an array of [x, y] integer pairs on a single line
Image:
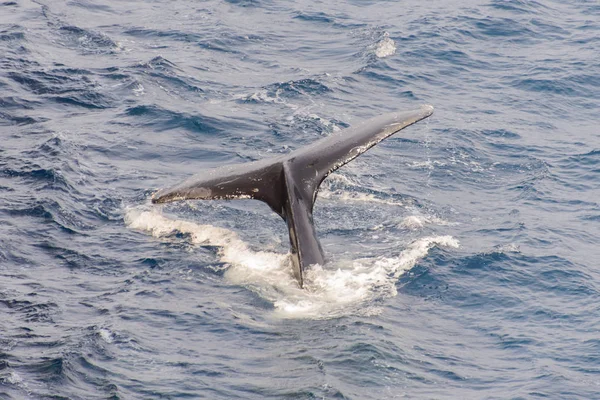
{"points": [[504, 249], [350, 287], [334, 188], [419, 221], [341, 195], [106, 335], [341, 288], [233, 250], [385, 47]]}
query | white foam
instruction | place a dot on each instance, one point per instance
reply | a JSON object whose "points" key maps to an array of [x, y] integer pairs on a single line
{"points": [[429, 165], [340, 288], [262, 96], [330, 190], [139, 90], [419, 221], [106, 335], [414, 222], [504, 249], [343, 195], [385, 47], [348, 287], [232, 249], [14, 378], [337, 178]]}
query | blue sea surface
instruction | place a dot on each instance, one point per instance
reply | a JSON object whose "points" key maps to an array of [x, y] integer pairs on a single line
{"points": [[463, 256]]}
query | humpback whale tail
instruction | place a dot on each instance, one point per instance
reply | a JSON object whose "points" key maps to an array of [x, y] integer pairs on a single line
{"points": [[289, 183]]}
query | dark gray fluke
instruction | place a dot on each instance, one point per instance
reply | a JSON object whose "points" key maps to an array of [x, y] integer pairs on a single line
{"points": [[289, 183]]}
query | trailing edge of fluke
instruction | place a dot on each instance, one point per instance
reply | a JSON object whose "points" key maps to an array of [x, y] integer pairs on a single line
{"points": [[289, 183]]}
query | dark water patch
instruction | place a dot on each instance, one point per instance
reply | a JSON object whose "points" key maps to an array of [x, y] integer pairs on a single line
{"points": [[300, 88], [590, 159], [513, 342], [91, 6], [530, 175], [163, 120], [149, 293], [579, 178], [517, 272], [69, 71], [358, 356], [69, 258], [461, 62], [500, 133], [562, 277], [170, 76], [513, 150], [319, 17], [587, 84], [492, 263], [88, 100], [11, 119], [73, 87], [519, 161], [30, 311], [9, 3], [7, 36], [50, 211], [559, 87], [53, 147], [15, 63], [304, 129], [229, 43], [115, 75], [108, 209], [49, 369], [339, 21], [37, 85], [85, 376], [86, 41], [502, 27], [519, 7], [473, 166], [497, 29], [406, 94], [13, 41], [382, 77], [41, 340], [591, 217], [14, 102], [14, 253], [170, 34], [548, 30], [36, 211], [43, 178], [424, 282], [246, 3], [157, 63]]}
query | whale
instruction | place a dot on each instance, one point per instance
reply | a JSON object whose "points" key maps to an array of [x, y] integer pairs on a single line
{"points": [[289, 183]]}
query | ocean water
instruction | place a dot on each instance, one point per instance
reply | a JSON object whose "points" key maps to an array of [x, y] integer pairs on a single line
{"points": [[463, 257]]}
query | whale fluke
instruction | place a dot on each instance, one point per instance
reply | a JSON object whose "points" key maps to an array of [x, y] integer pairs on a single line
{"points": [[289, 183]]}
